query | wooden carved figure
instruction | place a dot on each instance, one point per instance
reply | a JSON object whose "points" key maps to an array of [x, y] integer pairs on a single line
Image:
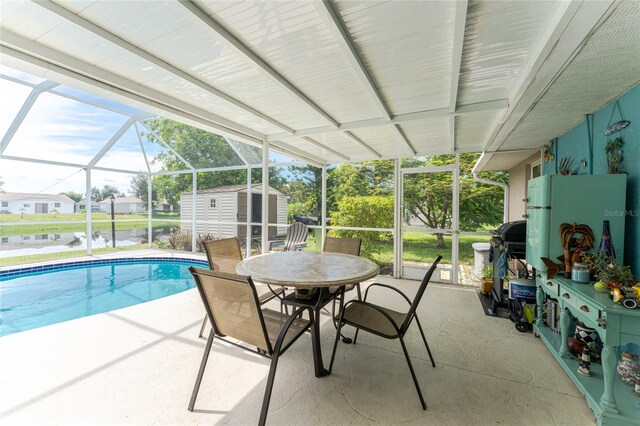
{"points": [[575, 239]]}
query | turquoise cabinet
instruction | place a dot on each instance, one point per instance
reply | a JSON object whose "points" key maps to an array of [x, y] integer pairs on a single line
{"points": [[612, 402]]}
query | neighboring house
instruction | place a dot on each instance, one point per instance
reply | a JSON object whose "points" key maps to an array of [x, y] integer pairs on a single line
{"points": [[124, 205], [19, 202], [229, 204], [163, 206], [81, 206]]}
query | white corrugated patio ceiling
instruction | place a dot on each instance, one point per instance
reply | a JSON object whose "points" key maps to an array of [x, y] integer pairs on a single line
{"points": [[333, 81]]}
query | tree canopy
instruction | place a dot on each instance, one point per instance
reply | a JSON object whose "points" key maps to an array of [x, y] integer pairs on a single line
{"points": [[201, 149], [140, 188], [106, 192], [73, 195]]}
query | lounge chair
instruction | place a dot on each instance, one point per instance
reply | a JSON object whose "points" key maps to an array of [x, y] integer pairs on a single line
{"points": [[295, 239]]}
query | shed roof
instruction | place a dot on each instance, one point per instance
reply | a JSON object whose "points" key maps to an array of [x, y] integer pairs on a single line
{"points": [[255, 188], [336, 81]]}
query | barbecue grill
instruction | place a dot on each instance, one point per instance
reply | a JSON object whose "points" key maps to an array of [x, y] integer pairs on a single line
{"points": [[509, 238]]}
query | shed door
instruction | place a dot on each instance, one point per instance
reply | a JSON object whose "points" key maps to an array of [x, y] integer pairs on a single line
{"points": [[241, 215], [214, 214]]}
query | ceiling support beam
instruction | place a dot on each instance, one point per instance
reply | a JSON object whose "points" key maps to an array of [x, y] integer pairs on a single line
{"points": [[441, 113], [568, 31], [326, 148], [141, 53], [460, 21], [364, 145], [42, 57], [24, 110], [297, 153], [337, 28], [246, 53]]}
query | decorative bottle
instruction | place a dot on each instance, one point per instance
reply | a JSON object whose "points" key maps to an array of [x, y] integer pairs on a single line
{"points": [[606, 245]]}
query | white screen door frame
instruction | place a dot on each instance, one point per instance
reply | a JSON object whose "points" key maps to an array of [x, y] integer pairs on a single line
{"points": [[404, 271]]}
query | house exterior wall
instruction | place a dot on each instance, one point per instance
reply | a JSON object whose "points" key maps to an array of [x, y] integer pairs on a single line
{"points": [[123, 208], [29, 206], [574, 145], [518, 178]]}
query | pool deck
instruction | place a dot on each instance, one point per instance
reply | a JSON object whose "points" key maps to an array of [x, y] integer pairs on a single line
{"points": [[137, 365]]}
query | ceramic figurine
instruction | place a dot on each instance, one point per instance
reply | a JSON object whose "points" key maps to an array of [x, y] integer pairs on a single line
{"points": [[585, 363]]}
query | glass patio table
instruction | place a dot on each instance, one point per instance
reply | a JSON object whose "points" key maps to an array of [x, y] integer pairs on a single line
{"points": [[309, 270]]}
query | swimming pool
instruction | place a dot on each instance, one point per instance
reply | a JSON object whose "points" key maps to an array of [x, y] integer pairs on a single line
{"points": [[43, 295]]}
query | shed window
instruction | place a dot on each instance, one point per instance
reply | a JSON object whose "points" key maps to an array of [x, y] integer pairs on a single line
{"points": [[26, 237], [5, 204], [5, 239], [57, 205], [212, 203], [26, 205]]}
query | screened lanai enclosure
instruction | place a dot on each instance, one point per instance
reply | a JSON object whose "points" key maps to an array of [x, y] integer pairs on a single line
{"points": [[369, 117], [65, 142]]}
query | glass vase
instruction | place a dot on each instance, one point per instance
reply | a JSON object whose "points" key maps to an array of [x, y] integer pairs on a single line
{"points": [[606, 245]]}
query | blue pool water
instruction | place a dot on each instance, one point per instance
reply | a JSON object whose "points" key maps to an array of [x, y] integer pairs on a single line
{"points": [[35, 298]]}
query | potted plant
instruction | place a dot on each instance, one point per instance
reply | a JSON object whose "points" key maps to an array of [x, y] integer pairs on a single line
{"points": [[486, 280], [610, 274]]}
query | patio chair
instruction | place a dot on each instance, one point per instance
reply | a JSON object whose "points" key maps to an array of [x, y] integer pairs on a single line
{"points": [[223, 255], [295, 240], [345, 246], [232, 306], [386, 322]]}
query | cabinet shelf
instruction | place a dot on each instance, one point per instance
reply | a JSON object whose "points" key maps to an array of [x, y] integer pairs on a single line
{"points": [[592, 386]]}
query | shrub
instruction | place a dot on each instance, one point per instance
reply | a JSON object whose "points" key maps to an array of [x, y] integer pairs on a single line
{"points": [[364, 212]]}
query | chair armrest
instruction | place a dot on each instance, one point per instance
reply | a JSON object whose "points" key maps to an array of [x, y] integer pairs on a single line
{"points": [[285, 328], [390, 288]]}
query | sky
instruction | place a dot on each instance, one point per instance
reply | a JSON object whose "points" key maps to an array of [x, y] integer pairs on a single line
{"points": [[61, 129]]}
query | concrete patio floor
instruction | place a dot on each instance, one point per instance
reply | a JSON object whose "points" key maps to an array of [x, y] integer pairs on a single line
{"points": [[137, 366]]}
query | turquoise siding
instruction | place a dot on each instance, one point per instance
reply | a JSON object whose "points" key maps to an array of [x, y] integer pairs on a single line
{"points": [[574, 144]]}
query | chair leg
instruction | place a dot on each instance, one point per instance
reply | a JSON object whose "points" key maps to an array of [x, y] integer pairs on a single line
{"points": [[413, 374], [355, 337], [204, 324], [433, 363], [269, 388], [335, 344], [203, 364]]}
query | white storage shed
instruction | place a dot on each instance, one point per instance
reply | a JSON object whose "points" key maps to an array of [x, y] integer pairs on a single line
{"points": [[229, 204]]}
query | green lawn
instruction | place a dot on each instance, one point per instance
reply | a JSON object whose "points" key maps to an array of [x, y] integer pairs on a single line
{"points": [[417, 247], [31, 228], [17, 260]]}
